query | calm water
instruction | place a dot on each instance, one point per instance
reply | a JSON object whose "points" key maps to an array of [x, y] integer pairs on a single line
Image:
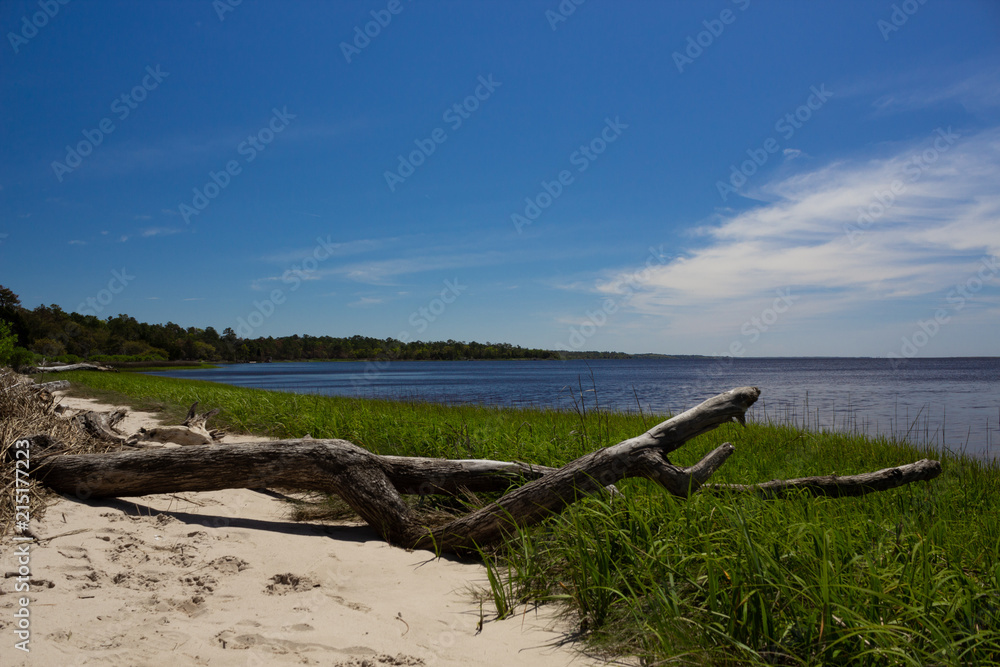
{"points": [[950, 402]]}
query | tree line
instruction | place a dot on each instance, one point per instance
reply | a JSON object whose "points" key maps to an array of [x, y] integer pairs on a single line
{"points": [[55, 335]]}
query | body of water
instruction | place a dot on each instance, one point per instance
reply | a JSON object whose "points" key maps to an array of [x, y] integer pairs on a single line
{"points": [[949, 402]]}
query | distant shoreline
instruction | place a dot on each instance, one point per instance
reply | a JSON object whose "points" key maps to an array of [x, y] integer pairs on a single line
{"points": [[206, 364]]}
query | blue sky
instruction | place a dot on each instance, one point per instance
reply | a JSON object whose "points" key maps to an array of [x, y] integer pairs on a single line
{"points": [[722, 177]]}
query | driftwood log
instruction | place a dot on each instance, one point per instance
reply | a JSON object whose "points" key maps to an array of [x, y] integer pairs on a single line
{"points": [[55, 385], [192, 431], [102, 425], [31, 370], [373, 485]]}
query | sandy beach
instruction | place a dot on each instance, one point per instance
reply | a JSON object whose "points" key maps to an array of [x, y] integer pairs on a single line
{"points": [[225, 578]]}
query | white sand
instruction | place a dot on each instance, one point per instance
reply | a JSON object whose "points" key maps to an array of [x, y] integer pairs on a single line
{"points": [[225, 578]]}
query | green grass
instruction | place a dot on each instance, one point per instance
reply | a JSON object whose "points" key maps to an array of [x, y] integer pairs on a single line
{"points": [[155, 366], [909, 576]]}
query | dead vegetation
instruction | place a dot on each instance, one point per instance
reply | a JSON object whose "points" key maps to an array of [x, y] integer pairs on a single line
{"points": [[29, 409]]}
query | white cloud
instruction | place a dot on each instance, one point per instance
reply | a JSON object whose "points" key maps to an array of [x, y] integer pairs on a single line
{"points": [[160, 231], [971, 84], [385, 272], [326, 247], [942, 219]]}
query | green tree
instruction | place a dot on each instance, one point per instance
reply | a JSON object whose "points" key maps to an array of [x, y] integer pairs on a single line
{"points": [[48, 347], [12, 312], [7, 342]]}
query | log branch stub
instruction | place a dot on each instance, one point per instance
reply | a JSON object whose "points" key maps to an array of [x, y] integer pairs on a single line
{"points": [[836, 486]]}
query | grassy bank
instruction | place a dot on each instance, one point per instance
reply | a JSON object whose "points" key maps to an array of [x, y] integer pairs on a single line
{"points": [[909, 576]]}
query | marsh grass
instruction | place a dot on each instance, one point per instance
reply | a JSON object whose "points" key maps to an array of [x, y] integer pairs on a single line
{"points": [[909, 576]]}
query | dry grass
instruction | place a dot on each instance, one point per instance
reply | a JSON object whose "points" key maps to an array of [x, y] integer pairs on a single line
{"points": [[25, 412], [429, 510]]}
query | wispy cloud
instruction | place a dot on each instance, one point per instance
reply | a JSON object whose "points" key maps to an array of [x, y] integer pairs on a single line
{"points": [[971, 85], [366, 301], [289, 277], [327, 246], [401, 258], [942, 218], [312, 263], [209, 145], [387, 272], [160, 231]]}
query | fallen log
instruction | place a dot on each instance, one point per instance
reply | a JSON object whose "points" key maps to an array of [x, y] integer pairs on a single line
{"points": [[32, 370], [101, 425], [192, 431], [55, 385], [373, 485], [31, 385]]}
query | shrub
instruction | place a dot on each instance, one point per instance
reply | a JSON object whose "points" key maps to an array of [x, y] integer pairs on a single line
{"points": [[20, 358]]}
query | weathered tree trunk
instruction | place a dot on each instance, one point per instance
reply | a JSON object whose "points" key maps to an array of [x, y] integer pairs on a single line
{"points": [[55, 385], [31, 370], [372, 485], [192, 431], [102, 425]]}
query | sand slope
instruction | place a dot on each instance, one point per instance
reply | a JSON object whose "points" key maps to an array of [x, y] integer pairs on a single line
{"points": [[224, 578]]}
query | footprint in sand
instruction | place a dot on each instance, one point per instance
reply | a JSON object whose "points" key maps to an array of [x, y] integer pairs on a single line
{"points": [[80, 569], [230, 639], [356, 606], [192, 606], [183, 557], [73, 552], [283, 584], [138, 581], [203, 583], [164, 519], [229, 565], [127, 552]]}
